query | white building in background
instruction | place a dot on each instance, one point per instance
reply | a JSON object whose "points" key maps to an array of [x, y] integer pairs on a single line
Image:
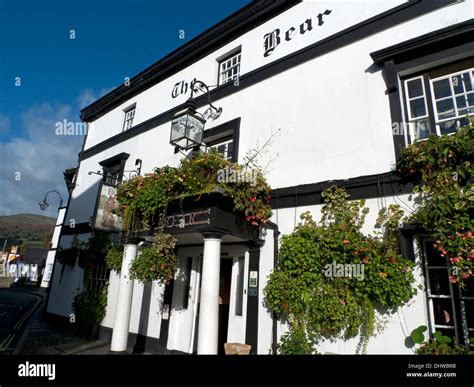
{"points": [[335, 77]]}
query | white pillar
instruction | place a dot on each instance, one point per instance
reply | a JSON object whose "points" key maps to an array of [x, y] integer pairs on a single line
{"points": [[124, 302], [209, 305]]}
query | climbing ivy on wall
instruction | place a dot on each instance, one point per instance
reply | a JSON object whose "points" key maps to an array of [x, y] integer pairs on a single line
{"points": [[313, 288], [442, 167]]}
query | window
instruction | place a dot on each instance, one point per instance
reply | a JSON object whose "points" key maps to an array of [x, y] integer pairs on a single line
{"points": [[439, 104], [229, 68], [113, 169], [451, 309], [129, 115], [98, 275], [239, 290], [453, 98], [417, 107], [224, 139], [224, 147]]}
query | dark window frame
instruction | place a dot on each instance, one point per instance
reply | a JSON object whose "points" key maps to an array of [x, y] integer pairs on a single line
{"points": [[222, 133], [463, 331], [113, 168], [127, 110]]}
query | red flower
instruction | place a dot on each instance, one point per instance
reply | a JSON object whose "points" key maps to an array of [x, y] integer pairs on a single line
{"points": [[253, 199], [346, 241], [255, 223]]}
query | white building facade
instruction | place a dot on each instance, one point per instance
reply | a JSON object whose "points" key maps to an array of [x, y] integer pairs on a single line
{"points": [[347, 85]]}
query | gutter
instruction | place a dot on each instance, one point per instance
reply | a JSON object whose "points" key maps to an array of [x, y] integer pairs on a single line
{"points": [[276, 234]]}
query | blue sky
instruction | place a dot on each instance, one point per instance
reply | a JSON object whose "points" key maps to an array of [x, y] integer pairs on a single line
{"points": [[46, 77]]}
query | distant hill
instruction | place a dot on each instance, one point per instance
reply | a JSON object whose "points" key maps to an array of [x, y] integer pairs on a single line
{"points": [[30, 228]]}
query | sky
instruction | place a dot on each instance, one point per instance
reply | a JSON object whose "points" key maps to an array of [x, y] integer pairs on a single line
{"points": [[57, 57]]}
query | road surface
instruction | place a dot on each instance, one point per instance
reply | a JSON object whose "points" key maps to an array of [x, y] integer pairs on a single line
{"points": [[16, 308]]}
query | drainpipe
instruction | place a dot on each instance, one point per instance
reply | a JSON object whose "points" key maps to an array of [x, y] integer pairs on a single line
{"points": [[276, 234]]}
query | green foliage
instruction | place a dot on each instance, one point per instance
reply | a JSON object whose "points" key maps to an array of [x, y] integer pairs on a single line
{"points": [[328, 306], [296, 341], [417, 335], [198, 174], [444, 167], [89, 308], [143, 198], [94, 250], [439, 345], [156, 263], [114, 258]]}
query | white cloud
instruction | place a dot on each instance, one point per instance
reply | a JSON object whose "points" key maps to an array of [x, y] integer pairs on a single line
{"points": [[31, 166], [87, 96]]}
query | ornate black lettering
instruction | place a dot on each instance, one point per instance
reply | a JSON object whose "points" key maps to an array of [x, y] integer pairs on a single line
{"points": [[320, 16], [309, 24], [290, 33], [271, 41]]}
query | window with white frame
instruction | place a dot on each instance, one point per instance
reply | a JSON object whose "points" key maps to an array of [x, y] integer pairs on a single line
{"points": [[417, 107], [229, 68], [129, 116], [453, 100], [224, 146], [439, 104]]}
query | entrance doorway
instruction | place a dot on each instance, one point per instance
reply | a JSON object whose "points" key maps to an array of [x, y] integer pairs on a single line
{"points": [[224, 301]]}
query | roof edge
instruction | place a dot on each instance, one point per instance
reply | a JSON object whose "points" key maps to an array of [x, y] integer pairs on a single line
{"points": [[208, 41]]}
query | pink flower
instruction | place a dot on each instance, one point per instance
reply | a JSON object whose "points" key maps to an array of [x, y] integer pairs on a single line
{"points": [[255, 223], [253, 199], [342, 302], [346, 241]]}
